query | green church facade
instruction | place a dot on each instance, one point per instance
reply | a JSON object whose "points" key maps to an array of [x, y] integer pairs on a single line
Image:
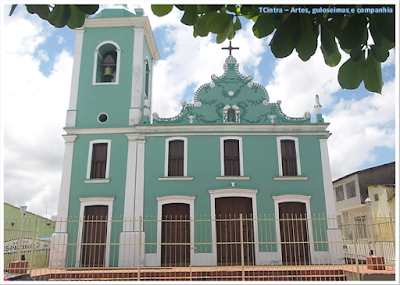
{"points": [[230, 152]]}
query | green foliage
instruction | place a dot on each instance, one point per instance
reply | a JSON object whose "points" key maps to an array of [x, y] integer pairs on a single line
{"points": [[61, 15], [289, 31], [301, 32]]}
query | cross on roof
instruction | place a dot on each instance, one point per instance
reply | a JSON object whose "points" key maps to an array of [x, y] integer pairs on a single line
{"points": [[230, 48]]}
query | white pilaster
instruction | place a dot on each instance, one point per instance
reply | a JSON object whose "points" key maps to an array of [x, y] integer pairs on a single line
{"points": [[71, 112], [62, 212], [333, 233], [137, 77], [58, 247], [139, 183], [129, 205], [328, 188]]}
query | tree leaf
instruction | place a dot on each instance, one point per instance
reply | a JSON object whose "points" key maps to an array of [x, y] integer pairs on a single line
{"points": [[331, 59], [355, 33], [231, 8], [59, 16], [161, 10], [237, 25], [221, 37], [351, 73], [41, 10], [12, 9], [380, 54], [249, 11], [381, 32], [200, 27], [373, 74], [264, 26], [328, 39], [77, 18], [218, 23], [88, 9], [307, 44], [286, 37], [190, 15]]}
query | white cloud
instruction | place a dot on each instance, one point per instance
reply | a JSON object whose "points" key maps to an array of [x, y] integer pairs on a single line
{"points": [[33, 110], [357, 127]]}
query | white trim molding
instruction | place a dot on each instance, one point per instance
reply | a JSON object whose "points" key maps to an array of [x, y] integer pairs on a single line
{"points": [[94, 201], [296, 144], [290, 178], [185, 150], [234, 192], [222, 141], [232, 178], [95, 63], [169, 200], [175, 178], [90, 155], [300, 199]]}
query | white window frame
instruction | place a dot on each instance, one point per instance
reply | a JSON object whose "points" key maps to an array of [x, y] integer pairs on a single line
{"points": [[94, 201], [183, 199], [184, 155], [296, 145], [222, 141], [89, 163], [225, 114], [117, 67], [294, 198]]}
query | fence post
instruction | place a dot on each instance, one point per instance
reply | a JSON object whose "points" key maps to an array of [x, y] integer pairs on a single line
{"points": [[393, 231], [33, 250], [140, 246], [355, 248], [241, 245]]}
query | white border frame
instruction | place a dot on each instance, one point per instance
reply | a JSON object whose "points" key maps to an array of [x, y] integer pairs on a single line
{"points": [[184, 155], [294, 198], [237, 192], [95, 201], [98, 117], [222, 140], [296, 145], [89, 163], [163, 200], [117, 67]]}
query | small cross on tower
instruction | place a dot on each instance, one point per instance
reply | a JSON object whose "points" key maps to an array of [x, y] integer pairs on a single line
{"points": [[230, 48]]}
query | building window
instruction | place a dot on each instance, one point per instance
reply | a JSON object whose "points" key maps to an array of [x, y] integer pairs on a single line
{"points": [[376, 197], [147, 79], [98, 159], [351, 189], [339, 193], [176, 157], [288, 156], [361, 227], [231, 114], [231, 158], [106, 63]]}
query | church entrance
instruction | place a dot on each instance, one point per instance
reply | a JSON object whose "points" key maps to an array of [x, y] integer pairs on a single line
{"points": [[175, 238], [294, 233], [94, 236], [227, 211]]}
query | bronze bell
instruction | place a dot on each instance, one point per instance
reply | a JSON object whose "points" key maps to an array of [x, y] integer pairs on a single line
{"points": [[108, 73]]}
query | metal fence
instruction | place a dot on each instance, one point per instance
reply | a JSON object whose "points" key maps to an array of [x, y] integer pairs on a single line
{"points": [[203, 248]]}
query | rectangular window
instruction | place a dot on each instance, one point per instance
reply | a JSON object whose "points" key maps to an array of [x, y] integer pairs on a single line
{"points": [[175, 158], [351, 189], [99, 160], [288, 151], [339, 193], [376, 197], [231, 158], [361, 226]]}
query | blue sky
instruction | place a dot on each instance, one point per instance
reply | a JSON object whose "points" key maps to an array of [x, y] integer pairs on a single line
{"points": [[36, 63]]}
